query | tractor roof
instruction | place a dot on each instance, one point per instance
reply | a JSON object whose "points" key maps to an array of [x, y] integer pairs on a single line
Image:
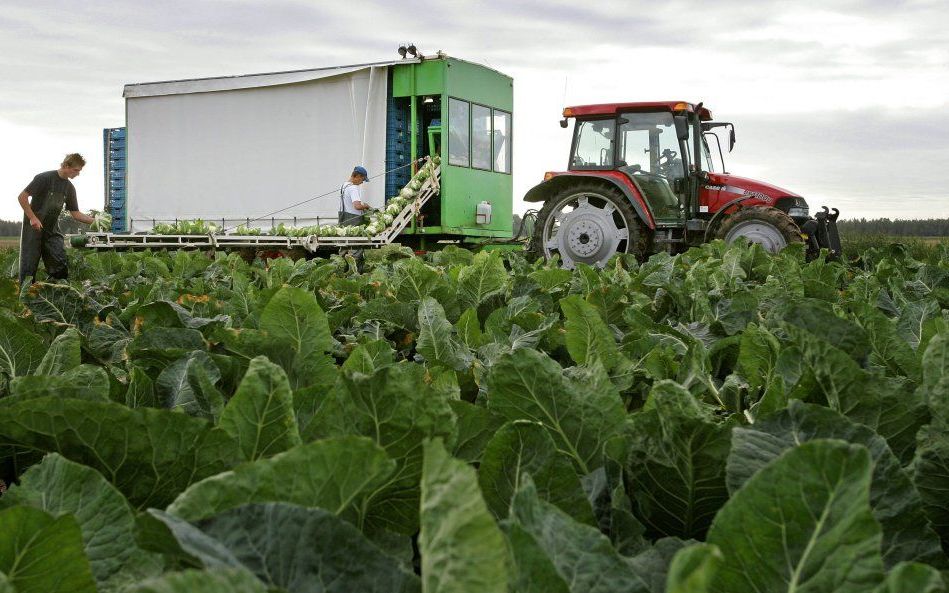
{"points": [[614, 108]]}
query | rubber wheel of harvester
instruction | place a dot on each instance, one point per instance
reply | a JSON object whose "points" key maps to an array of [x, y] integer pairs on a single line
{"points": [[587, 223], [771, 228]]}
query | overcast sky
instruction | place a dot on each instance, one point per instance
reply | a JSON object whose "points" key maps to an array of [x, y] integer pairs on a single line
{"points": [[843, 102]]}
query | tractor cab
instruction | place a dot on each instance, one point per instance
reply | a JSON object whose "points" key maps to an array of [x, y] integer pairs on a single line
{"points": [[650, 143], [641, 178]]}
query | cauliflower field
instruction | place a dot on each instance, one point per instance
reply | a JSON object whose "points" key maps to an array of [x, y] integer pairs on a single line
{"points": [[720, 421]]}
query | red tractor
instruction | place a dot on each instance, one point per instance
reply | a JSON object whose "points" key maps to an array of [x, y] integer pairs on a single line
{"points": [[641, 179]]}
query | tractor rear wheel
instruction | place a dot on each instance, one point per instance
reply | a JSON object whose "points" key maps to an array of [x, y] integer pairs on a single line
{"points": [[587, 223], [771, 228]]}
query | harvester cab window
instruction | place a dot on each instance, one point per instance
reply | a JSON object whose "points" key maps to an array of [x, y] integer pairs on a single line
{"points": [[480, 137], [502, 142], [458, 132], [593, 145]]}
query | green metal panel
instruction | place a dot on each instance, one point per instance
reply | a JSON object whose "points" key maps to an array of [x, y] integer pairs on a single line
{"points": [[467, 187], [429, 78], [479, 84], [463, 188]]}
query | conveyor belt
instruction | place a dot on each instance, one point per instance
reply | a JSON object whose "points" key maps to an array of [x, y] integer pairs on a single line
{"points": [[402, 220]]}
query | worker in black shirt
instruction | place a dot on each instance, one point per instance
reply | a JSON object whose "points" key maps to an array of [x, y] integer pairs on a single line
{"points": [[40, 236]]}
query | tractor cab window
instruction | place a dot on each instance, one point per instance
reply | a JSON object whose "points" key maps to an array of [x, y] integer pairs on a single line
{"points": [[649, 153], [708, 164], [593, 144]]}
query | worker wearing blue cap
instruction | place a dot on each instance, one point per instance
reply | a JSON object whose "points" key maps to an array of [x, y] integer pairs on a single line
{"points": [[351, 204]]}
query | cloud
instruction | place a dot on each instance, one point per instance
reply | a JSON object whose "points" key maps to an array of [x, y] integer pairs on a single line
{"points": [[779, 70]]}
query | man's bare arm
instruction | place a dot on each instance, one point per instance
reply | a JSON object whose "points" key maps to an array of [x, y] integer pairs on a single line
{"points": [[77, 215], [24, 200]]}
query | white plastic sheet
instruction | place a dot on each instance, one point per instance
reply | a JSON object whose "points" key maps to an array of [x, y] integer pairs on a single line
{"points": [[234, 151]]}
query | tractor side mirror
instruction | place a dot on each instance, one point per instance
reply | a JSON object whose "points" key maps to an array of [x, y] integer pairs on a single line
{"points": [[731, 139], [682, 127], [563, 123]]}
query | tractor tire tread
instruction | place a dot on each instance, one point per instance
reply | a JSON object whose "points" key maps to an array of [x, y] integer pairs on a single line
{"points": [[779, 219]]}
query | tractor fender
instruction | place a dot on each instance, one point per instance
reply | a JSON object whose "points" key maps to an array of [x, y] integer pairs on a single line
{"points": [[546, 189]]}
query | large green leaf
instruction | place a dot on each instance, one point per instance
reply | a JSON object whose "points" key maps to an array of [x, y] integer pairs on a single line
{"points": [[309, 372], [331, 474], [802, 523], [550, 547], [61, 487], [159, 346], [181, 543], [436, 341], [692, 569], [653, 562], [931, 476], [366, 358], [818, 319], [397, 407], [676, 463], [889, 352], [59, 304], [63, 355], [896, 504], [170, 314], [149, 455], [588, 337], [469, 329], [936, 378], [521, 448], [580, 415], [141, 390], [462, 548], [757, 357], [484, 278], [910, 577], [476, 425], [188, 384], [266, 539], [549, 280], [85, 381], [260, 415], [203, 581], [294, 317], [828, 376], [915, 323], [20, 350], [413, 280], [39, 554]]}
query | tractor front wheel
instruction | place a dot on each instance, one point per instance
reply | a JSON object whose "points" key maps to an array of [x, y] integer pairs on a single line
{"points": [[771, 228], [587, 223]]}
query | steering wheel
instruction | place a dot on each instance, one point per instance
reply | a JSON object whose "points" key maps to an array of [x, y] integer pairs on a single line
{"points": [[668, 154]]}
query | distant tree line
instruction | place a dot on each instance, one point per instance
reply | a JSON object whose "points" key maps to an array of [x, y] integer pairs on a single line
{"points": [[918, 227], [66, 225], [9, 229]]}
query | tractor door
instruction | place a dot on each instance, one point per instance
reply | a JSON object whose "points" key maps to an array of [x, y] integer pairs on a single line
{"points": [[649, 153]]}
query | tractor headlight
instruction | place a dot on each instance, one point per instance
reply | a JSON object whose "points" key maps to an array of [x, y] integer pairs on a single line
{"points": [[799, 209]]}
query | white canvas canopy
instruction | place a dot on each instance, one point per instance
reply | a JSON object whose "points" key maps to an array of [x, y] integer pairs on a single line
{"points": [[242, 147]]}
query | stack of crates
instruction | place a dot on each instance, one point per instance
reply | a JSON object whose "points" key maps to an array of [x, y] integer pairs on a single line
{"points": [[398, 144], [114, 163]]}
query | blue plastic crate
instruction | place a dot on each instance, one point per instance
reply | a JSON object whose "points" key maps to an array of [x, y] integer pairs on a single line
{"points": [[114, 164]]}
